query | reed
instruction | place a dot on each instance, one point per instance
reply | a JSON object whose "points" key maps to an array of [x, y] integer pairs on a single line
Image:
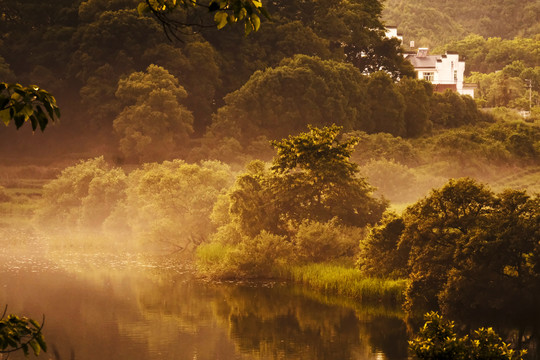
{"points": [[349, 282]]}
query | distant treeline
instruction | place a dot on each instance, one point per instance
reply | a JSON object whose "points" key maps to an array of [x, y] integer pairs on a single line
{"points": [[433, 24]]}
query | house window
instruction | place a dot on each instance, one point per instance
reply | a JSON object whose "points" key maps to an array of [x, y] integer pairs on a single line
{"points": [[428, 76], [455, 75]]}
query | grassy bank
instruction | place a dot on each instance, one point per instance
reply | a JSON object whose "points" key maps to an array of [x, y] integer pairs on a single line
{"points": [[348, 282]]}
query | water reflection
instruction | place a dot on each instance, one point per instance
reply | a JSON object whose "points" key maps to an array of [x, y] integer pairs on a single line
{"points": [[101, 307]]}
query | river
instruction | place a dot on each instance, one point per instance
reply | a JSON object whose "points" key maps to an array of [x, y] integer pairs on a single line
{"points": [[129, 306]]}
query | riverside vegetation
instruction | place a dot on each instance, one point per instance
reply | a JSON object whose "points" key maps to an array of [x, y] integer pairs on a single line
{"points": [[295, 219]]}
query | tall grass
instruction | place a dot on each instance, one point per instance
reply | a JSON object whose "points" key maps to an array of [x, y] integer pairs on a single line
{"points": [[348, 282]]}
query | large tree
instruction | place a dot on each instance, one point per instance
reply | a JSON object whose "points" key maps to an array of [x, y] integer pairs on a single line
{"points": [[300, 91], [312, 178], [465, 250], [155, 123]]}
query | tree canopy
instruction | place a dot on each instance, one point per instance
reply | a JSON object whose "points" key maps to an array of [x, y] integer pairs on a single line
{"points": [[437, 23], [465, 250]]}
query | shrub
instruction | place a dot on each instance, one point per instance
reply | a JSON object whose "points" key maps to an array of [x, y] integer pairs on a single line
{"points": [[380, 254], [254, 257], [438, 340], [171, 203], [83, 194], [319, 242]]}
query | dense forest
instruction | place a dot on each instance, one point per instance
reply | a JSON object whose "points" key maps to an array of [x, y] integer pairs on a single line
{"points": [[434, 24], [307, 142]]}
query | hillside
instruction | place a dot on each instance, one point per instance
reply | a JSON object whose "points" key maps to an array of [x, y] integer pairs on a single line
{"points": [[434, 23]]}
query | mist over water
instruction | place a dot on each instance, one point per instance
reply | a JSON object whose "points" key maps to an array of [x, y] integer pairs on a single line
{"points": [[133, 306]]}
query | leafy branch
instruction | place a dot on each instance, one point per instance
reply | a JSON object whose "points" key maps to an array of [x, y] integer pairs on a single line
{"points": [[21, 333], [225, 12], [30, 103]]}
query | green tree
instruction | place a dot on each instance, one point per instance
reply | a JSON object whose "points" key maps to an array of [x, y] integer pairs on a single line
{"points": [[436, 227], [83, 194], [315, 179], [380, 252], [157, 124], [302, 90], [197, 65], [386, 104], [497, 268], [464, 249], [169, 204], [311, 201], [417, 96], [311, 178]]}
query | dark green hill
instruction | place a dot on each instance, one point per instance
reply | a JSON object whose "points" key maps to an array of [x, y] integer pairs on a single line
{"points": [[433, 23]]}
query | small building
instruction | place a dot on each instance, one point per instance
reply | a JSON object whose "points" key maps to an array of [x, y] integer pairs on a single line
{"points": [[443, 71]]}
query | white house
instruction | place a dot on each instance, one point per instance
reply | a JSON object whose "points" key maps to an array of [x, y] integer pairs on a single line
{"points": [[443, 71]]}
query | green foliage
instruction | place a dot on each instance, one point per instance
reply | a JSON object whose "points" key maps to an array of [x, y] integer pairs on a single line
{"points": [[322, 242], [417, 98], [438, 340], [387, 105], [435, 227], [283, 100], [509, 87], [450, 110], [482, 150], [383, 147], [84, 194], [261, 256], [169, 204], [490, 54], [311, 178], [20, 333], [225, 12], [315, 179], [311, 200], [469, 251], [306, 90], [434, 24], [381, 254], [20, 104], [157, 117], [197, 66]]}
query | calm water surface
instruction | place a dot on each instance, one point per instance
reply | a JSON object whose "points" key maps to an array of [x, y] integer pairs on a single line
{"points": [[107, 307]]}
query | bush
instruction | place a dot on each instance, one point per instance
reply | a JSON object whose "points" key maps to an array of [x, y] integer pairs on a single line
{"points": [[320, 242], [171, 203], [437, 340], [254, 257], [83, 194], [380, 254]]}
